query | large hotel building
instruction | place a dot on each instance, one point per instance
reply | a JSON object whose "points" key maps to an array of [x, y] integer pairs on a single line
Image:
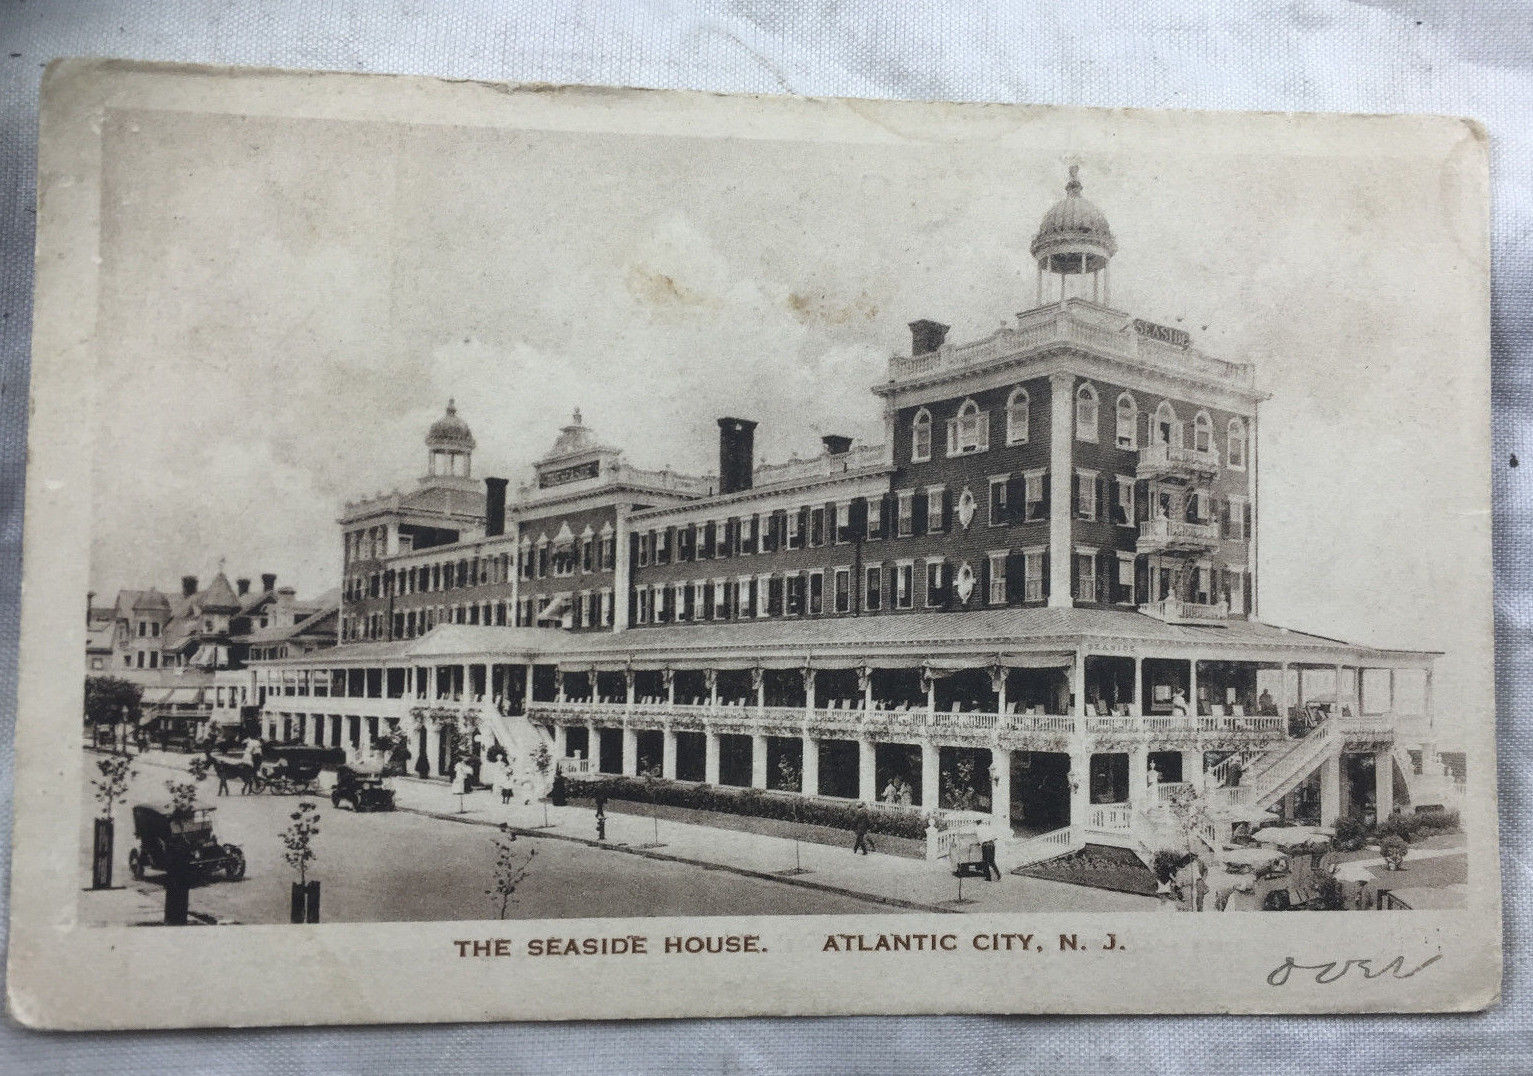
{"points": [[1039, 596]]}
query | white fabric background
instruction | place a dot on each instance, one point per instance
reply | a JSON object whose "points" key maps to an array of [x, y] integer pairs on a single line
{"points": [[1471, 57]]}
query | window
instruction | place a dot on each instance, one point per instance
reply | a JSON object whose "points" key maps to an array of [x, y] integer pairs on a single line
{"points": [[936, 503], [875, 518], [1237, 590], [1168, 429], [683, 607], [793, 588], [1018, 405], [841, 522], [906, 512], [1032, 576], [763, 588], [842, 592], [921, 437], [1203, 433], [663, 546], [1124, 584], [816, 593], [1086, 495], [1235, 519], [1128, 423], [795, 531], [1037, 506], [745, 604], [1123, 508], [1236, 453], [904, 584], [720, 600], [608, 552], [817, 526], [997, 576], [1085, 575], [968, 431], [1086, 414], [872, 594], [998, 499], [934, 579]]}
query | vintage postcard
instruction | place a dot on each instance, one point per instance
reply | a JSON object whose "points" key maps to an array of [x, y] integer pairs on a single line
{"points": [[521, 552]]}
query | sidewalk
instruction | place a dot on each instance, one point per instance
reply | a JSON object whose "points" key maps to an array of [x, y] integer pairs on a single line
{"points": [[896, 882]]}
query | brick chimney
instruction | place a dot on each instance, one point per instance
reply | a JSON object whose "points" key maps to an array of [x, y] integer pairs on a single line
{"points": [[188, 585], [836, 444], [242, 586], [268, 581], [737, 453], [926, 336], [494, 507]]}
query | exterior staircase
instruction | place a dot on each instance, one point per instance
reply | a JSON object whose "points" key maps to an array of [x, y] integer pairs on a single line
{"points": [[520, 739]]}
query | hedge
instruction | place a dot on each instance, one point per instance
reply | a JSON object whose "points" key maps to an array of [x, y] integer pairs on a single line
{"points": [[753, 802]]}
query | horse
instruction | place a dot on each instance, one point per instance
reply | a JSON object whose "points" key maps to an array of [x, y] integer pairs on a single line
{"points": [[225, 770]]}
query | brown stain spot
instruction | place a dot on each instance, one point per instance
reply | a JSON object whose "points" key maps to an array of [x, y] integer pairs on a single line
{"points": [[820, 308], [657, 289]]}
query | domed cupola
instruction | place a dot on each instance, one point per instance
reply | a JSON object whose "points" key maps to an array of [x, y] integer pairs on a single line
{"points": [[449, 445], [1074, 240]]}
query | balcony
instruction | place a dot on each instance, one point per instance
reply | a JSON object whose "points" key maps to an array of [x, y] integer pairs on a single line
{"points": [[1176, 611], [1163, 535], [1176, 463]]}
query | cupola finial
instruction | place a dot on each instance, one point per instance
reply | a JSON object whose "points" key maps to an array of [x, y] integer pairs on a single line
{"points": [[1074, 185]]}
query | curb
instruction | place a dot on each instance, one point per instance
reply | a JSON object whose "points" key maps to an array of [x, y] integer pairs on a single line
{"points": [[648, 853]]}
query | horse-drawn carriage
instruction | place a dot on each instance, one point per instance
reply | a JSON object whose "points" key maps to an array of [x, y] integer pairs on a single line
{"points": [[290, 770], [182, 842]]}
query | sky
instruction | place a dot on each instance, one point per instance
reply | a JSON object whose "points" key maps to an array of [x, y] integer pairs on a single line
{"points": [[287, 304]]}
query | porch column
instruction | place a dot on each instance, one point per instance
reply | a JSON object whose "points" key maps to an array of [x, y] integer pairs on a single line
{"points": [[630, 751], [559, 685], [1383, 784], [527, 691], [867, 772], [865, 683], [1192, 768], [1330, 790], [1138, 706], [1000, 787], [711, 678], [1140, 795], [1078, 685], [1284, 702], [810, 763], [998, 679], [668, 753], [758, 687], [466, 687], [1429, 705], [629, 680], [1080, 787], [710, 756], [561, 742], [758, 760], [1390, 707], [931, 788], [1192, 688], [1061, 475], [593, 746], [669, 678]]}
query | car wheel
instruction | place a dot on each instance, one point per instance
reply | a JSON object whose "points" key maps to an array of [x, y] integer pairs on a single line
{"points": [[235, 869]]}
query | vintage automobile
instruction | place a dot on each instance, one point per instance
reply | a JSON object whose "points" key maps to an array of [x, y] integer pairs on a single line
{"points": [[294, 769], [182, 841], [363, 788]]}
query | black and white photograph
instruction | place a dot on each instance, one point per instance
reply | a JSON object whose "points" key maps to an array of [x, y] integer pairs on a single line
{"points": [[592, 506]]}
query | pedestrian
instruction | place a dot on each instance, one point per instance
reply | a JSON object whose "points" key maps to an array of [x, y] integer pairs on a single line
{"points": [[252, 756], [986, 834], [461, 773], [503, 782], [860, 825], [601, 817]]}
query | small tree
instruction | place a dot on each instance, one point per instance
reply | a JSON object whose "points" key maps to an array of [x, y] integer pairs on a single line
{"points": [[183, 797], [651, 777], [543, 761], [298, 839], [111, 699], [511, 868], [1393, 848], [112, 786], [789, 776]]}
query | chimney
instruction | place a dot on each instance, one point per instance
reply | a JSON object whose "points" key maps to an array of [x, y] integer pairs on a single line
{"points": [[926, 336], [243, 586], [836, 444], [268, 581], [737, 453], [494, 507], [285, 596], [188, 585]]}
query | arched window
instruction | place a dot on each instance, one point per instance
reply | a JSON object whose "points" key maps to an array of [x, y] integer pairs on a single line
{"points": [[1018, 408], [969, 430], [1086, 414], [1203, 433], [1168, 429], [1128, 422], [921, 436], [1237, 447]]}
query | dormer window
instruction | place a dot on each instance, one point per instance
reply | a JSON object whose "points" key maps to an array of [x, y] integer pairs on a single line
{"points": [[969, 431], [1018, 407], [921, 437], [1086, 414]]}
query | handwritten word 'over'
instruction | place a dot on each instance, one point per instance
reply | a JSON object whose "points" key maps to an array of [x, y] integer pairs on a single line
{"points": [[1331, 971]]}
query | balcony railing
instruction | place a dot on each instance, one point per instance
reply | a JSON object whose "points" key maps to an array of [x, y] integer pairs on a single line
{"points": [[1176, 611], [1174, 535], [1159, 459]]}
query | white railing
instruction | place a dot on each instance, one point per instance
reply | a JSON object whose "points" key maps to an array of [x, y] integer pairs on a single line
{"points": [[1178, 531], [1160, 456], [862, 457], [576, 766], [1045, 723], [1037, 849], [1176, 611], [1111, 817], [1166, 791]]}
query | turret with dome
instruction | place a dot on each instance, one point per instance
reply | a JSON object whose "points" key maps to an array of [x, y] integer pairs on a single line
{"points": [[449, 446], [1074, 240]]}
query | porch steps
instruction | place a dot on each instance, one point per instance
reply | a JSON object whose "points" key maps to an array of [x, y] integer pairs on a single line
{"points": [[1031, 850], [1287, 768]]}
